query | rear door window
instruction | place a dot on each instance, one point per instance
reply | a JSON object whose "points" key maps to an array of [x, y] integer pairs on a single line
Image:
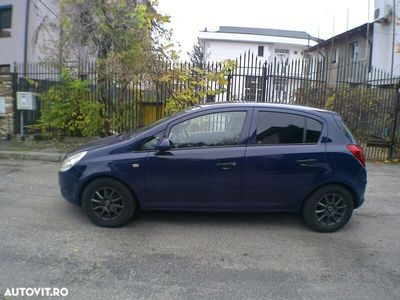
{"points": [[275, 128]]}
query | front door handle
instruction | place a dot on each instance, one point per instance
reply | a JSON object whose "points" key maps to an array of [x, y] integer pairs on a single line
{"points": [[305, 162], [226, 165]]}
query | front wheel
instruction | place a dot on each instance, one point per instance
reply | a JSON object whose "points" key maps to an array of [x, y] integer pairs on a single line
{"points": [[329, 208], [108, 202]]}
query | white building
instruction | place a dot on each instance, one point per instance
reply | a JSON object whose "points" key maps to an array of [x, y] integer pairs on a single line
{"points": [[25, 34], [231, 42], [386, 37], [252, 48]]}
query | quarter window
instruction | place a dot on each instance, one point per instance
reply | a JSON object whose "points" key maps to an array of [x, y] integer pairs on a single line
{"points": [[218, 129], [282, 128], [314, 129], [150, 143]]}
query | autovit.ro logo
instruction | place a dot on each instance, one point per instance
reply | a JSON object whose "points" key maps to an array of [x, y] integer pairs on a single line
{"points": [[36, 292]]}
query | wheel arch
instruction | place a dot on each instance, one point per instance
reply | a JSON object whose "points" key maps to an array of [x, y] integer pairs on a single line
{"points": [[100, 176], [347, 186]]}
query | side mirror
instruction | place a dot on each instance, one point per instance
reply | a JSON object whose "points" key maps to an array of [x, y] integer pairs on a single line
{"points": [[164, 145]]}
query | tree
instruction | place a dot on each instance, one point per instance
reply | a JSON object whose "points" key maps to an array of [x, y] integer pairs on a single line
{"points": [[197, 56], [125, 37]]}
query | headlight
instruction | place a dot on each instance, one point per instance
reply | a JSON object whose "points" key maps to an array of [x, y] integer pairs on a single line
{"points": [[71, 161]]}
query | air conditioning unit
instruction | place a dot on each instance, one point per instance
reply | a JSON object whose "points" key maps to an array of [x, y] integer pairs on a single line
{"points": [[383, 14]]}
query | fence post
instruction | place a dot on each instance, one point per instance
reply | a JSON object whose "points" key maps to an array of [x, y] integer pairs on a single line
{"points": [[228, 87], [395, 122], [264, 82]]}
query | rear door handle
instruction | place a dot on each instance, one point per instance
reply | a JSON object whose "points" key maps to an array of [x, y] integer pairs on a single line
{"points": [[226, 165], [305, 162]]}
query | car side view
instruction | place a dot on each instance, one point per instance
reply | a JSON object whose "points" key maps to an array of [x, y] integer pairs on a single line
{"points": [[223, 157]]}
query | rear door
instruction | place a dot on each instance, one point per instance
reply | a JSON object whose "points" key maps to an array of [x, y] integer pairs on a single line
{"points": [[284, 158]]}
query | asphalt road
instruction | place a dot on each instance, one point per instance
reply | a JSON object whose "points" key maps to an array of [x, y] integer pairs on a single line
{"points": [[47, 242]]}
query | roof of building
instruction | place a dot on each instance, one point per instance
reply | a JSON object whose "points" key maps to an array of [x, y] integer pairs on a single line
{"points": [[267, 32], [342, 36]]}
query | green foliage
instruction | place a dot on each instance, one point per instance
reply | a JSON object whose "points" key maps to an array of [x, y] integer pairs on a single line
{"points": [[192, 85], [310, 95], [359, 106], [122, 116], [67, 110]]}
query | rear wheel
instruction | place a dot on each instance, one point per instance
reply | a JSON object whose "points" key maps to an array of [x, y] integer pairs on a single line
{"points": [[329, 208], [108, 203]]}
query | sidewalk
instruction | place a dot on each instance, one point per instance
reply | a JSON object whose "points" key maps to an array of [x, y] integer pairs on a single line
{"points": [[54, 151], [29, 155]]}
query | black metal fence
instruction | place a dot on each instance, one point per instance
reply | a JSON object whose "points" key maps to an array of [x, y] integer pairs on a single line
{"points": [[366, 97]]}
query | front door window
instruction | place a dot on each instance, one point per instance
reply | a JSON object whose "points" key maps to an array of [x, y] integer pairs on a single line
{"points": [[212, 130]]}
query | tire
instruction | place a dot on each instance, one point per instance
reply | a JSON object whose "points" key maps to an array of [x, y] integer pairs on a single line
{"points": [[108, 202], [329, 208]]}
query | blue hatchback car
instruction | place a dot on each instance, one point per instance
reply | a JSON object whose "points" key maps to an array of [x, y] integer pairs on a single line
{"points": [[223, 157]]}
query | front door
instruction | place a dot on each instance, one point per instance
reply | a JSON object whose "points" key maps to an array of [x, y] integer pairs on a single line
{"points": [[203, 169]]}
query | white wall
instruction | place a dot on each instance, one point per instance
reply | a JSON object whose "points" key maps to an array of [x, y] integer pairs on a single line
{"points": [[39, 42], [41, 34], [12, 48], [222, 46], [383, 41], [222, 50]]}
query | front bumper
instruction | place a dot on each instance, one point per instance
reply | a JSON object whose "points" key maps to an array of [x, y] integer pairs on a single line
{"points": [[70, 185]]}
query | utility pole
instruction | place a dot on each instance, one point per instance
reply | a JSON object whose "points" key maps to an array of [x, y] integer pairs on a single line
{"points": [[368, 52], [393, 37]]}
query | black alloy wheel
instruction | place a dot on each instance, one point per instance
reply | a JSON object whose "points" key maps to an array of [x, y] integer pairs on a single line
{"points": [[329, 208], [108, 202]]}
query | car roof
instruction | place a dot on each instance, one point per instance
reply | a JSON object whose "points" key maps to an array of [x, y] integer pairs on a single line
{"points": [[264, 105]]}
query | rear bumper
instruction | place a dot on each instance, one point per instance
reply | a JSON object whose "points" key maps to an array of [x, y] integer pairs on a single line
{"points": [[361, 184]]}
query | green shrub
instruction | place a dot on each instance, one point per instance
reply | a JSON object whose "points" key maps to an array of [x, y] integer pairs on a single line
{"points": [[67, 110]]}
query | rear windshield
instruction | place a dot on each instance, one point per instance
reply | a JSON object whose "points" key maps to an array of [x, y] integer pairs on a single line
{"points": [[343, 127]]}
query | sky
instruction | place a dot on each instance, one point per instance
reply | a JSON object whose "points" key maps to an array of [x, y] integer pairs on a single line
{"points": [[321, 18]]}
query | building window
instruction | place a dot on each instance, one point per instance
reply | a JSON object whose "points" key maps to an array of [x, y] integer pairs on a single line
{"points": [[261, 51], [353, 50], [5, 20], [334, 55], [4, 69]]}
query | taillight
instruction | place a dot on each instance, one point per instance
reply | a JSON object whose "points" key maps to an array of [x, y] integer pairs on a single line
{"points": [[358, 152]]}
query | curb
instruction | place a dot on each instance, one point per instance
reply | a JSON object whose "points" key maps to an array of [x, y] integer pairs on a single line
{"points": [[24, 155]]}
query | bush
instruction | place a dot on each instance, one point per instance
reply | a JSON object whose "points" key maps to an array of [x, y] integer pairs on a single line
{"points": [[66, 109]]}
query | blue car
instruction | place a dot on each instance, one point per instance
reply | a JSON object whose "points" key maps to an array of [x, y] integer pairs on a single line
{"points": [[223, 157]]}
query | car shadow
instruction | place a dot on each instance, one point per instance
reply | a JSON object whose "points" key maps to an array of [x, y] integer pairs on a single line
{"points": [[218, 218], [200, 218]]}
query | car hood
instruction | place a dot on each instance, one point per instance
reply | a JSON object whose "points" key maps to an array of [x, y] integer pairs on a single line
{"points": [[109, 140]]}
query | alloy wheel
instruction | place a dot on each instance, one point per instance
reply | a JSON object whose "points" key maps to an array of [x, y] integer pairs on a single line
{"points": [[107, 203], [331, 209]]}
